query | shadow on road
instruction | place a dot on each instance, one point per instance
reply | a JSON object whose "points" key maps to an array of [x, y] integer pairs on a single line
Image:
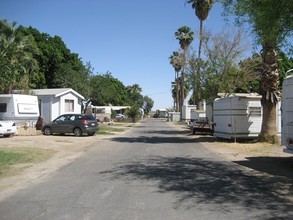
{"points": [[277, 166], [169, 132], [161, 139], [153, 139], [199, 181]]}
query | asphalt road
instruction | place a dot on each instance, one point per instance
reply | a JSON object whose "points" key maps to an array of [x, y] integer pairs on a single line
{"points": [[152, 172]]}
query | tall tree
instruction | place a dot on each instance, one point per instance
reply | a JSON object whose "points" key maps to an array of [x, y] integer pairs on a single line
{"points": [[185, 37], [202, 9], [16, 58], [271, 22], [220, 70], [148, 104], [135, 98], [59, 67], [177, 61]]}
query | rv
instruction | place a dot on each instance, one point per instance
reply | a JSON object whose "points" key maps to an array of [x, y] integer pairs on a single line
{"points": [[22, 109], [161, 113], [238, 116], [287, 113]]}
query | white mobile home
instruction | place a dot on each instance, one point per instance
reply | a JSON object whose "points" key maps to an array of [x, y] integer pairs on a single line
{"points": [[186, 112], [22, 109], [287, 113], [55, 102], [102, 112], [238, 116], [173, 116], [161, 113]]}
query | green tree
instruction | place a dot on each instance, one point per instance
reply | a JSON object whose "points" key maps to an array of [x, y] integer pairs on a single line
{"points": [[185, 37], [59, 67], [202, 9], [133, 112], [148, 104], [285, 64], [250, 69], [271, 22], [106, 90], [135, 98], [177, 61], [16, 58]]}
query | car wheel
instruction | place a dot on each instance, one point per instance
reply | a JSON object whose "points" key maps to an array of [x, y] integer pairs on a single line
{"points": [[7, 135], [47, 131], [91, 133], [77, 132]]}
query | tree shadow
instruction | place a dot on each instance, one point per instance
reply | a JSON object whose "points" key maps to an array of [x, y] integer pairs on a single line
{"points": [[153, 139], [200, 181], [169, 132], [277, 166]]}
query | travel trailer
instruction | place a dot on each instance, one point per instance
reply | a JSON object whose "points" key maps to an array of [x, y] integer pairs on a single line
{"points": [[22, 109], [238, 116], [161, 113], [287, 113]]}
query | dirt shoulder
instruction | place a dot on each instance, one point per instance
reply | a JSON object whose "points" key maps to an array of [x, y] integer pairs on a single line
{"points": [[235, 151], [67, 149], [264, 158]]}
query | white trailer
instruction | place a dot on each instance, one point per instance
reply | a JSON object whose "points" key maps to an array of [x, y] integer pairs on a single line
{"points": [[238, 116], [287, 113], [22, 109]]}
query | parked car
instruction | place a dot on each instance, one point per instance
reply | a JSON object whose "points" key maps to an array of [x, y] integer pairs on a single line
{"points": [[120, 116], [7, 128], [72, 123]]}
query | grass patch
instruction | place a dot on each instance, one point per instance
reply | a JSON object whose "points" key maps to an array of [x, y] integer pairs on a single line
{"points": [[110, 129], [10, 157], [127, 125]]}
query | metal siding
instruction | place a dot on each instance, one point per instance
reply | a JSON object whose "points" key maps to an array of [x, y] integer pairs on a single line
{"points": [[234, 111], [287, 112]]}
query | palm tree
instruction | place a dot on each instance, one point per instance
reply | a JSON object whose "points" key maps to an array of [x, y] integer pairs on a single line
{"points": [[185, 37], [202, 9], [176, 60], [16, 60], [272, 24], [134, 95]]}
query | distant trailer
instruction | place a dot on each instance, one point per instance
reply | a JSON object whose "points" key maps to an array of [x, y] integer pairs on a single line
{"points": [[238, 116], [22, 109], [287, 113], [161, 113]]}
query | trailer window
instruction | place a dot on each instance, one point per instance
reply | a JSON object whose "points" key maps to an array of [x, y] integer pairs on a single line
{"points": [[254, 111], [69, 105], [3, 107]]}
